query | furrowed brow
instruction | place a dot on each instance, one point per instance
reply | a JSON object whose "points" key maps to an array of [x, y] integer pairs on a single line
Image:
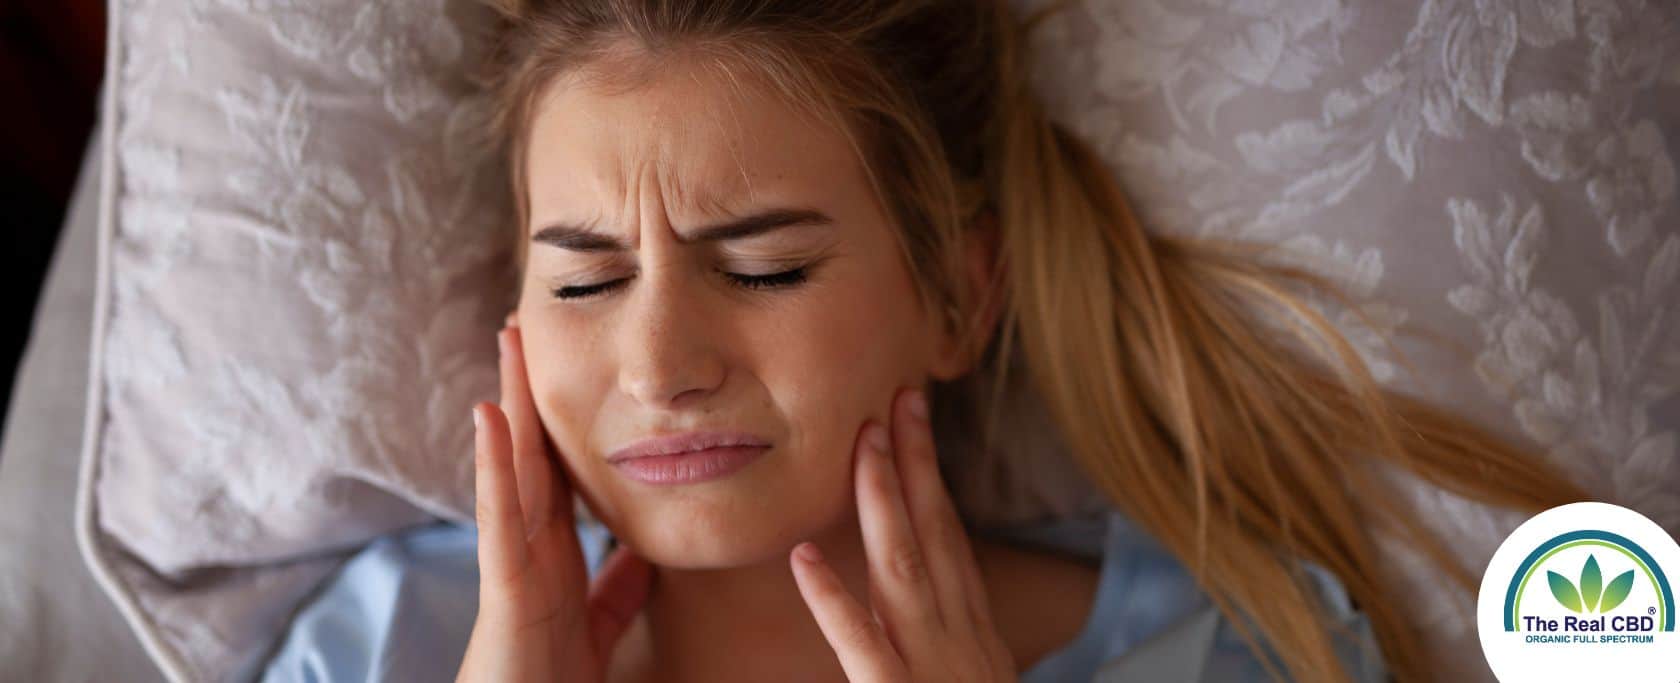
{"points": [[581, 238]]}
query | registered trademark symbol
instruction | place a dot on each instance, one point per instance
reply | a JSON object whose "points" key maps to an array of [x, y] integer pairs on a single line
{"points": [[1651, 610]]}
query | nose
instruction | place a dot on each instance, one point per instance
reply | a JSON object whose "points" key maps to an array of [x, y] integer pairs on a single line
{"points": [[669, 354]]}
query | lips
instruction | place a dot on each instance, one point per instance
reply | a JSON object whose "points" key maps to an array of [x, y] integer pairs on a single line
{"points": [[688, 458], [685, 443]]}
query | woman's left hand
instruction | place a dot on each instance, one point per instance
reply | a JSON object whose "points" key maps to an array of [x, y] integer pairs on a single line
{"points": [[931, 620]]}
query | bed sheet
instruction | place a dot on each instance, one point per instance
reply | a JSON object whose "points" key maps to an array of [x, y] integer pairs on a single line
{"points": [[55, 622]]}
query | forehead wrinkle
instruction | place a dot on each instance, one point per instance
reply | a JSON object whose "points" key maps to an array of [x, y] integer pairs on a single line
{"points": [[703, 59], [690, 185], [689, 178], [738, 91], [687, 189]]}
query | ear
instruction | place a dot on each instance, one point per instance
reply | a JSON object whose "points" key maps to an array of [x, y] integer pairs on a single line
{"points": [[985, 279]]}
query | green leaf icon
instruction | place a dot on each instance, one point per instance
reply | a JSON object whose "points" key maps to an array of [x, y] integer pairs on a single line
{"points": [[1564, 591], [1617, 591], [1591, 582]]}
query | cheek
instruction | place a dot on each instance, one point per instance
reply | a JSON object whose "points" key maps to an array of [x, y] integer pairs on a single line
{"points": [[568, 393], [852, 345], [838, 359]]}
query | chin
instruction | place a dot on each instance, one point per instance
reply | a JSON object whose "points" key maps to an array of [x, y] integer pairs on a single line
{"points": [[722, 534]]}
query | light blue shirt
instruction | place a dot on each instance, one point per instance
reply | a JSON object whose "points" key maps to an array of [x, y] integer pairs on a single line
{"points": [[402, 609]]}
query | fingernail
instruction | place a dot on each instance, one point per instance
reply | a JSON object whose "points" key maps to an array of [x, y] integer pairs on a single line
{"points": [[918, 404], [477, 420], [808, 552], [876, 436], [502, 342]]}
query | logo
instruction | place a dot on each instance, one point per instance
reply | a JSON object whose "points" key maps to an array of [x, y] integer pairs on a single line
{"points": [[1579, 591]]}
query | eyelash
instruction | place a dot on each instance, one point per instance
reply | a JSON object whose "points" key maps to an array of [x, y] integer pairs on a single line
{"points": [[786, 278]]}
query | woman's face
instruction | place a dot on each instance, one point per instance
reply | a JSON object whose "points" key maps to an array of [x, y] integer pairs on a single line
{"points": [[641, 318]]}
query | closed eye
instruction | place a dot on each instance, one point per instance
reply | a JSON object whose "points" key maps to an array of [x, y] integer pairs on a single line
{"points": [[786, 278], [586, 291]]}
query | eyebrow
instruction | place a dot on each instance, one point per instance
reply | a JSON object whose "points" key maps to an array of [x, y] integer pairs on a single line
{"points": [[580, 238]]}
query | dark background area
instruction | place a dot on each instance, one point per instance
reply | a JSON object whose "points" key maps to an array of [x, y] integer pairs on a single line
{"points": [[52, 56]]}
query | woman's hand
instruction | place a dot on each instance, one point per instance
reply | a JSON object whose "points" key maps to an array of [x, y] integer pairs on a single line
{"points": [[538, 620], [931, 620]]}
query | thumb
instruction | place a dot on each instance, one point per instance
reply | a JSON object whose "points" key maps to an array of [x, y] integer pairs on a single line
{"points": [[616, 595]]}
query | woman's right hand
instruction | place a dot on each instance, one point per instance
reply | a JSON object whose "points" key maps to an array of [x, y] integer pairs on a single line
{"points": [[538, 617]]}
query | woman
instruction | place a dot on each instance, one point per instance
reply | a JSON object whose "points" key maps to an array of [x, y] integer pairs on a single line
{"points": [[756, 231]]}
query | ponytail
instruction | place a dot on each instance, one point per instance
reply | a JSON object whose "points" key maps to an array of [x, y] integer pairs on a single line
{"points": [[1192, 384], [1156, 360]]}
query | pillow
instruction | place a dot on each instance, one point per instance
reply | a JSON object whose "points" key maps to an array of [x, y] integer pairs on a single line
{"points": [[52, 611], [294, 237], [1498, 174], [301, 266]]}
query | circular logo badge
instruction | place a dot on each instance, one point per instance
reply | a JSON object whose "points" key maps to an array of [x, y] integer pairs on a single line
{"points": [[1582, 592]]}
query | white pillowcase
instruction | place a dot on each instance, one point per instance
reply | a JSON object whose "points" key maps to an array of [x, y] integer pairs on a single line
{"points": [[304, 256]]}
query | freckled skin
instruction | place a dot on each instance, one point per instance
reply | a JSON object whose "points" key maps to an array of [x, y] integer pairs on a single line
{"points": [[679, 346]]}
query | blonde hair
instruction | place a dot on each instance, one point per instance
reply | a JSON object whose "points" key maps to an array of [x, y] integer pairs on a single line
{"points": [[1158, 358]]}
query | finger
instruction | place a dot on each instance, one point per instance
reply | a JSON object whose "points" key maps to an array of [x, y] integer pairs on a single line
{"points": [[533, 466], [951, 554], [617, 594], [865, 652], [934, 518], [501, 528], [901, 590]]}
